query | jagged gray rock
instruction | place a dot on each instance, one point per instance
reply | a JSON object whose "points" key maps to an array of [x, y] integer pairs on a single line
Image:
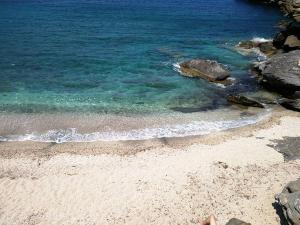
{"points": [[289, 201], [281, 72]]}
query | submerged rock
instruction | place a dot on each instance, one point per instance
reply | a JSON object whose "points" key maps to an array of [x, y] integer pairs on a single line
{"points": [[281, 72], [243, 100], [206, 69], [289, 201], [292, 104], [264, 97]]}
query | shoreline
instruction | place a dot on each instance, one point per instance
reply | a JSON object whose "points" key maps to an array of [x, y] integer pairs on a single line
{"points": [[46, 149], [71, 127], [234, 173]]}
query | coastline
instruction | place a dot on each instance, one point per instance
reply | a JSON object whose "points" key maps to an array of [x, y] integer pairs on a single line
{"points": [[131, 147], [170, 180], [234, 173]]}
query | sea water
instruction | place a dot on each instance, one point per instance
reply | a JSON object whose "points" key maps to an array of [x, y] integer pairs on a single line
{"points": [[110, 58]]}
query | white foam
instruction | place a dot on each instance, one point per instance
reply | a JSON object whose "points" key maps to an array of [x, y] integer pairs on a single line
{"points": [[176, 67], [260, 56], [177, 130], [260, 40]]}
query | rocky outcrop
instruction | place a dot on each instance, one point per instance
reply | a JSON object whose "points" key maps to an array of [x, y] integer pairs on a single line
{"points": [[288, 39], [281, 72], [206, 69], [291, 7], [291, 104], [243, 100], [265, 47], [289, 201]]}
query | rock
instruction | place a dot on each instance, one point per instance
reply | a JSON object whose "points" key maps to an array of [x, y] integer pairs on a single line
{"points": [[293, 29], [279, 40], [205, 69], [291, 7], [292, 187], [281, 72], [292, 104], [265, 47], [283, 24], [235, 221], [264, 97], [291, 35], [288, 147], [291, 43], [243, 100], [289, 201], [247, 44]]}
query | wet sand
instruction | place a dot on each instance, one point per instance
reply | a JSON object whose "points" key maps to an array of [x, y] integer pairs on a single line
{"points": [[234, 173]]}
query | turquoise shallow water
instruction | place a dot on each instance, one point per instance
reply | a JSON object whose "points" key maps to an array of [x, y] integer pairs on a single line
{"points": [[117, 56]]}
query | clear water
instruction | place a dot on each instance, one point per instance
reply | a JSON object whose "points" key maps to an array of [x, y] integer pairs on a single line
{"points": [[112, 57], [118, 56]]}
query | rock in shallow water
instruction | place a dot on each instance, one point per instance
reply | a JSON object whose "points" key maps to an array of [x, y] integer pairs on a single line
{"points": [[265, 46], [206, 69], [243, 100], [281, 72]]}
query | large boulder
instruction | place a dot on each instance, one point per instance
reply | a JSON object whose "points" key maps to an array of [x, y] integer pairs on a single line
{"points": [[289, 201], [206, 69], [281, 72]]}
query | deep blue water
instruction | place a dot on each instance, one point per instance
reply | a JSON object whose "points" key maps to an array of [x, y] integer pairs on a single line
{"points": [[118, 56]]}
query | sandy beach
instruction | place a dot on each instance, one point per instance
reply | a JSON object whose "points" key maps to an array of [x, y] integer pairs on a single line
{"points": [[234, 173]]}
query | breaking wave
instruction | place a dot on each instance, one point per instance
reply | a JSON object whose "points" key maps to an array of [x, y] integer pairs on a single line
{"points": [[167, 131]]}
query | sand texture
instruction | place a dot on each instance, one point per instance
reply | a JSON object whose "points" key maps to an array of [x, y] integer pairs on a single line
{"points": [[237, 177]]}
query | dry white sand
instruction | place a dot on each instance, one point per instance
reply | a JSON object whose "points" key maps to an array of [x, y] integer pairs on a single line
{"points": [[235, 178]]}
